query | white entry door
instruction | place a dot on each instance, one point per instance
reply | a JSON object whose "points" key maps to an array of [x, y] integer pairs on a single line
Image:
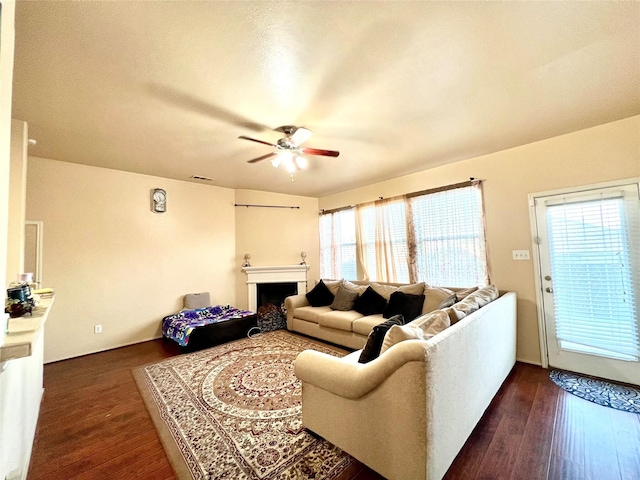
{"points": [[589, 276]]}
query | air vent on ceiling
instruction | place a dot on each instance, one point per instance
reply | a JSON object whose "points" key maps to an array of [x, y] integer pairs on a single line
{"points": [[200, 177]]}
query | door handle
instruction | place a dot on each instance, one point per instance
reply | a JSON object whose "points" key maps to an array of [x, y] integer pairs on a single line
{"points": [[548, 290]]}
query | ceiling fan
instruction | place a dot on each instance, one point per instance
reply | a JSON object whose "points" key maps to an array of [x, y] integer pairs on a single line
{"points": [[288, 150]]}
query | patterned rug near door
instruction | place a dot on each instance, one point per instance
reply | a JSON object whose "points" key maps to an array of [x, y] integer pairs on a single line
{"points": [[618, 396], [234, 412]]}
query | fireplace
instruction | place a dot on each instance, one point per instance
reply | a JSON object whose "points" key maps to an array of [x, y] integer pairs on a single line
{"points": [[274, 293], [273, 278]]}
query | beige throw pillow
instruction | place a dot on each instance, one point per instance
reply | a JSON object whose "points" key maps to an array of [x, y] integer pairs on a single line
{"points": [[387, 290], [462, 294], [422, 328], [472, 302], [333, 285], [436, 298], [354, 287]]}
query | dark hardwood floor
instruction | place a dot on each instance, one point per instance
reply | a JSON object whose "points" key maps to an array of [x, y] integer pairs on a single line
{"points": [[94, 425]]}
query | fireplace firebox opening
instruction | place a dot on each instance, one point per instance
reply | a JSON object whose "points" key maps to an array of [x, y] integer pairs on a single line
{"points": [[270, 298]]}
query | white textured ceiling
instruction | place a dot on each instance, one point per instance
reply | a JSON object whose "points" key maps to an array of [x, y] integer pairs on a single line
{"points": [[165, 88]]}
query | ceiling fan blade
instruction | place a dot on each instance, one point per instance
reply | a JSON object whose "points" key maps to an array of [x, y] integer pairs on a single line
{"points": [[317, 151], [256, 140], [263, 157], [301, 135]]}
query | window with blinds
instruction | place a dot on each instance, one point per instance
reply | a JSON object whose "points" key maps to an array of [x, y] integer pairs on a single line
{"points": [[434, 236], [338, 244], [449, 237], [594, 244]]}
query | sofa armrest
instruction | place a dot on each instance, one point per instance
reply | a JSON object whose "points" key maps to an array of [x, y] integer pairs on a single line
{"points": [[349, 379], [293, 302]]}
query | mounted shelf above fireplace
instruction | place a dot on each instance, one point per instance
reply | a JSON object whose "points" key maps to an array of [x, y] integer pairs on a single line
{"points": [[278, 274]]}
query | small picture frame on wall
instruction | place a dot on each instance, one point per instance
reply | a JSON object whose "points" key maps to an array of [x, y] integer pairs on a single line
{"points": [[158, 200]]}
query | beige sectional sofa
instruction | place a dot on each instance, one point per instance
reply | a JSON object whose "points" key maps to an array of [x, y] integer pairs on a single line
{"points": [[350, 328], [408, 413]]}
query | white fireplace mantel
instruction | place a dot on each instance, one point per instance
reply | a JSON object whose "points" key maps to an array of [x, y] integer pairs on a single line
{"points": [[275, 274]]}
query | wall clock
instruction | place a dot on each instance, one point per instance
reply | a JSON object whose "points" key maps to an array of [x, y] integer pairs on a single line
{"points": [[158, 200]]}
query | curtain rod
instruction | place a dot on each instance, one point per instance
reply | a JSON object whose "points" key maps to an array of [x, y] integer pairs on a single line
{"points": [[471, 181], [263, 206]]}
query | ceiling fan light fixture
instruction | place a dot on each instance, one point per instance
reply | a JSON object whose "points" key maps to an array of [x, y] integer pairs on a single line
{"points": [[290, 166], [288, 150], [300, 162]]}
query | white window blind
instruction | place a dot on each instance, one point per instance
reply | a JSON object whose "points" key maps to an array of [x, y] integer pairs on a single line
{"points": [[594, 258], [450, 238], [338, 245]]}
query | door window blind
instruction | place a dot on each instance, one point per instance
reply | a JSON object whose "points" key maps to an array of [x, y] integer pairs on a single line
{"points": [[594, 258]]}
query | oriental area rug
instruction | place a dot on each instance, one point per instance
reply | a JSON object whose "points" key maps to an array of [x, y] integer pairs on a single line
{"points": [[234, 412], [615, 395]]}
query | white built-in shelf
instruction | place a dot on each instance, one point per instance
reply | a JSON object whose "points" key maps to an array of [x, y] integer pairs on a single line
{"points": [[23, 332]]}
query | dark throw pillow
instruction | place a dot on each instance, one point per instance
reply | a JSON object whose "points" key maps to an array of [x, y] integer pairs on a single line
{"points": [[344, 299], [370, 303], [405, 304], [320, 295], [371, 350]]}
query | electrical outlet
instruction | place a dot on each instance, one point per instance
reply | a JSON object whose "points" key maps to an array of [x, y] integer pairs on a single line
{"points": [[520, 254], [97, 329]]}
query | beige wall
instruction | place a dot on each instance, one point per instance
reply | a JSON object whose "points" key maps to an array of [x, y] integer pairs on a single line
{"points": [[17, 199], [275, 236], [606, 152], [7, 41], [20, 380], [115, 263]]}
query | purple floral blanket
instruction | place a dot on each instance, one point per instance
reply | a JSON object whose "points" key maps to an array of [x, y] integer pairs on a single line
{"points": [[179, 326]]}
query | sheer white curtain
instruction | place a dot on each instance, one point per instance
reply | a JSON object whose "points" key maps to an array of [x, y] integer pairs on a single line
{"points": [[382, 231], [338, 244]]}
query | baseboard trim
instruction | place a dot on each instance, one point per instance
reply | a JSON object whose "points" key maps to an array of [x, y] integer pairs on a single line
{"points": [[522, 360], [103, 349]]}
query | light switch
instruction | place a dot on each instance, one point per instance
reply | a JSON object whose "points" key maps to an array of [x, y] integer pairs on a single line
{"points": [[520, 254]]}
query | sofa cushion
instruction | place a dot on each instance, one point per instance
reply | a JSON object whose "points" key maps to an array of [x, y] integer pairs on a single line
{"points": [[387, 290], [364, 325], [344, 299], [371, 350], [370, 303], [462, 294], [338, 319], [333, 285], [472, 302], [436, 298], [405, 304], [320, 295], [356, 288], [311, 314], [423, 328]]}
